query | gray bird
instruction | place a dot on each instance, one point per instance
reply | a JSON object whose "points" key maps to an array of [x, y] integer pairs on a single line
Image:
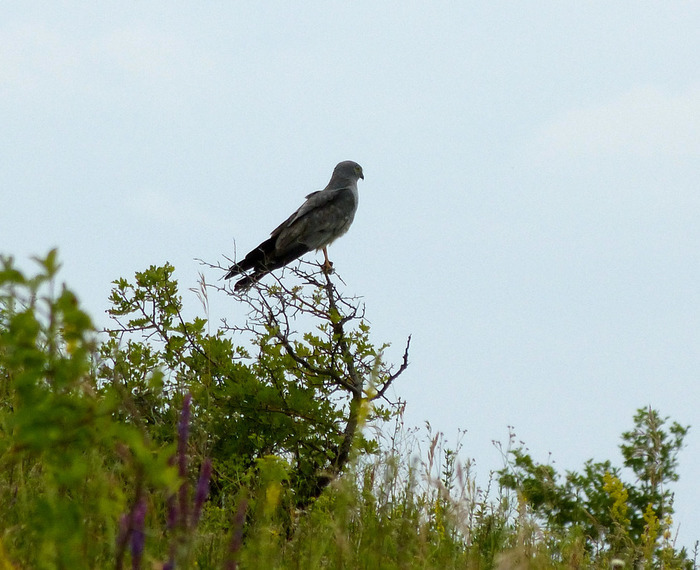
{"points": [[324, 217]]}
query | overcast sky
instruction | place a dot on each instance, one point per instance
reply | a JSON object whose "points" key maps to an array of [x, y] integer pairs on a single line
{"points": [[529, 211]]}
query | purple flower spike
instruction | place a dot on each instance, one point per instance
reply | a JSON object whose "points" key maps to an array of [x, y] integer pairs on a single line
{"points": [[202, 490], [183, 432], [184, 510], [138, 538], [173, 512], [236, 536]]}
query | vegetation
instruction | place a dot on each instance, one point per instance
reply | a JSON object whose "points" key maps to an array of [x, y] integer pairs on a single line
{"points": [[163, 444]]}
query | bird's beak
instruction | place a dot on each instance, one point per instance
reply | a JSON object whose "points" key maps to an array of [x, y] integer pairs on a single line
{"points": [[362, 175]]}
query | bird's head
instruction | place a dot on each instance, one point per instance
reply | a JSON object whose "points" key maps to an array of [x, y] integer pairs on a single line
{"points": [[348, 169]]}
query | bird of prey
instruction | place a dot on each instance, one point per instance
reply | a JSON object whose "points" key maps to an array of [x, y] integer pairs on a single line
{"points": [[325, 216]]}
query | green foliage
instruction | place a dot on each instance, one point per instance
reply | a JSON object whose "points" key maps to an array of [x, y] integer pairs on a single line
{"points": [[91, 425], [68, 468], [161, 443], [630, 522], [301, 397]]}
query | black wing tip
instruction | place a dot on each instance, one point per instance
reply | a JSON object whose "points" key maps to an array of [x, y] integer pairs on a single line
{"points": [[232, 272], [242, 285]]}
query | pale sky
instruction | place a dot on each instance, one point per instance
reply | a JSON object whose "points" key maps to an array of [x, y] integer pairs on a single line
{"points": [[529, 211]]}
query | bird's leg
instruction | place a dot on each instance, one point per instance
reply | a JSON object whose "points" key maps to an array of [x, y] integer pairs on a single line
{"points": [[327, 266]]}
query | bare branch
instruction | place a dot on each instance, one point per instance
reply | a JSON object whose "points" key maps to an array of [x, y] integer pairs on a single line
{"points": [[396, 374]]}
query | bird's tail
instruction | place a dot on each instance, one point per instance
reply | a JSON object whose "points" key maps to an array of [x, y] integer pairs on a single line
{"points": [[249, 280], [262, 260], [255, 259], [233, 270]]}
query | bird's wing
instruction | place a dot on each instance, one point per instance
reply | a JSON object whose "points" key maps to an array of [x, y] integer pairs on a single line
{"points": [[324, 214]]}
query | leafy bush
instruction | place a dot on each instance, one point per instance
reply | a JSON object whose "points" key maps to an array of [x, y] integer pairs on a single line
{"points": [[615, 521], [69, 468]]}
